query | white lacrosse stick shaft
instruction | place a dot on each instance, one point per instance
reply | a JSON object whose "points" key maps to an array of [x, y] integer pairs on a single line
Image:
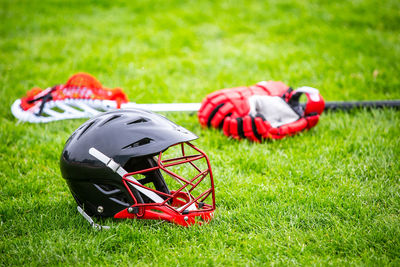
{"points": [[169, 107], [86, 108]]}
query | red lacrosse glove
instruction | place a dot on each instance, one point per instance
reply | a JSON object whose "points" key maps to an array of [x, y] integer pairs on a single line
{"points": [[272, 110], [233, 101]]}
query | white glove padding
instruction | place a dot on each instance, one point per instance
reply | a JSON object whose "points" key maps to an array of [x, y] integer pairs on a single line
{"points": [[273, 108]]}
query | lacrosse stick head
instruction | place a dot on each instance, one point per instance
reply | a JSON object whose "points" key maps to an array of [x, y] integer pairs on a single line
{"points": [[139, 165], [81, 96], [83, 79]]}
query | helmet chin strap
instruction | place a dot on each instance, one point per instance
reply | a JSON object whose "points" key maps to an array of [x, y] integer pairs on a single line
{"points": [[90, 220], [109, 162]]}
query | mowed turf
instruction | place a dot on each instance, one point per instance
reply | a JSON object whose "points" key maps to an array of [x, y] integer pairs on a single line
{"points": [[329, 196]]}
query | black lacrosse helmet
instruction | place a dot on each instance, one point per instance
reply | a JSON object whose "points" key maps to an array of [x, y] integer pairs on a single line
{"points": [[133, 142]]}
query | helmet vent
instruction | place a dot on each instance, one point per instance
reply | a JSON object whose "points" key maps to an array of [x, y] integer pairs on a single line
{"points": [[141, 142], [113, 193], [87, 128], [122, 200], [137, 121], [71, 137], [110, 119], [107, 189]]}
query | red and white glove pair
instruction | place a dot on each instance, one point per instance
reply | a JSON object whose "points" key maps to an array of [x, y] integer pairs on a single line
{"points": [[262, 111]]}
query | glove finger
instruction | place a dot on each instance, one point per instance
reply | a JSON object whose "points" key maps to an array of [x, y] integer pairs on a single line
{"points": [[209, 107], [226, 126], [216, 118], [230, 128], [277, 136], [205, 113], [250, 130], [262, 127], [275, 133], [293, 127]]}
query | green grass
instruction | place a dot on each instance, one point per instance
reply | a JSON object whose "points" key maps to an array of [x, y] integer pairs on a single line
{"points": [[329, 196]]}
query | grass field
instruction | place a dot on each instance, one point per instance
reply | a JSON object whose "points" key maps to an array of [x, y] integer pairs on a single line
{"points": [[330, 196]]}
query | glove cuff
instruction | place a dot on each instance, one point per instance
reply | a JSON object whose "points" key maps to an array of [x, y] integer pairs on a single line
{"points": [[315, 102]]}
